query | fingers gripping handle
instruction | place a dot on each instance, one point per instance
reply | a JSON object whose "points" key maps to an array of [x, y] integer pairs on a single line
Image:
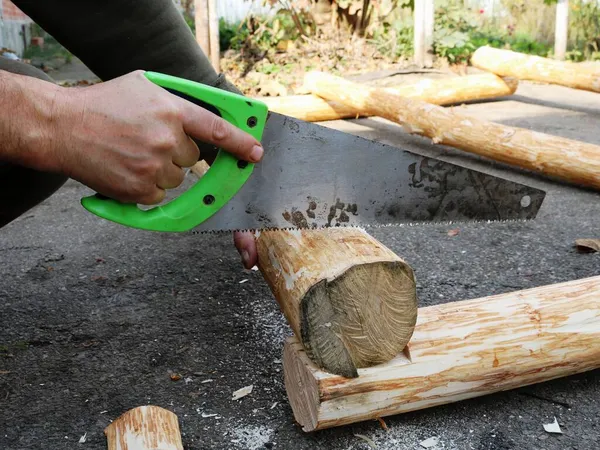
{"points": [[223, 180]]}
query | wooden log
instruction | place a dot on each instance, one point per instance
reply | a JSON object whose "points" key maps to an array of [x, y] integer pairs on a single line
{"points": [[145, 428], [566, 159], [458, 351], [447, 91], [535, 68], [349, 299]]}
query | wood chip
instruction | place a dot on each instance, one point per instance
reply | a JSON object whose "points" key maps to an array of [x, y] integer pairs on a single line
{"points": [[83, 438], [453, 233], [588, 245], [4, 372], [242, 392], [367, 440], [382, 423], [428, 443], [553, 427], [175, 377]]}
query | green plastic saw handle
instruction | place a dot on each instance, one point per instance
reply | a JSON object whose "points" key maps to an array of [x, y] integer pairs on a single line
{"points": [[219, 184]]}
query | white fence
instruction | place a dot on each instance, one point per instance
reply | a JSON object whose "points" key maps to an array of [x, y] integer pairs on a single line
{"points": [[236, 10]]}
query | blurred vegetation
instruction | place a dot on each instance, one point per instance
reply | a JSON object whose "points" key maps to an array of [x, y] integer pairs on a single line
{"points": [[526, 26], [51, 50]]}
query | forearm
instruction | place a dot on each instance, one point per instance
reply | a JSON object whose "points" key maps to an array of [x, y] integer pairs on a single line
{"points": [[115, 37], [30, 126]]}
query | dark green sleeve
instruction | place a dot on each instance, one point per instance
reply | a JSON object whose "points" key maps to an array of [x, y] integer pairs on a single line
{"points": [[114, 37]]}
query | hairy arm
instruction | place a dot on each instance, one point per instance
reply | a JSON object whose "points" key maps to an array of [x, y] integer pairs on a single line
{"points": [[28, 131]]}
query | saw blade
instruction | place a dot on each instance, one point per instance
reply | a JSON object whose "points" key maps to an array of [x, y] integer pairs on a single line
{"points": [[312, 176]]}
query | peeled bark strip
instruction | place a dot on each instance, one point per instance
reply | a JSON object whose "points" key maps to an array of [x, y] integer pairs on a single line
{"points": [[535, 68], [566, 159], [145, 428], [448, 91], [350, 300], [458, 351]]}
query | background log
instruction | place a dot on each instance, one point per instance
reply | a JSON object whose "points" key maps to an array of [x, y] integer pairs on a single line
{"points": [[566, 159], [350, 300], [447, 91], [145, 428], [535, 68], [458, 351]]}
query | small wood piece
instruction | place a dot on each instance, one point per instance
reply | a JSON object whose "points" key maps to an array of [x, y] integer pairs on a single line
{"points": [[349, 299], [446, 91], [566, 159], [458, 351], [588, 245], [145, 428], [535, 68]]}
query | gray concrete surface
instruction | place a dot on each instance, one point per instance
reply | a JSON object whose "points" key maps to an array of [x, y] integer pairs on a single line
{"points": [[95, 317]]}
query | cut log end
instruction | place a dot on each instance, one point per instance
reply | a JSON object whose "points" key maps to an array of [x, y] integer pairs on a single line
{"points": [[349, 299], [362, 318]]}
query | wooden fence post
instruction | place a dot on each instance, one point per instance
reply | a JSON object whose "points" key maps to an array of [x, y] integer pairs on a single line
{"points": [[562, 29], [207, 30], [423, 32]]}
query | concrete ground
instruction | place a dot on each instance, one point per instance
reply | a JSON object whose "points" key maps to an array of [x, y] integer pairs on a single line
{"points": [[96, 317]]}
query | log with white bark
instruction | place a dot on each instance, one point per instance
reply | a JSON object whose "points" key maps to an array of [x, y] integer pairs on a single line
{"points": [[350, 300], [144, 428], [536, 68], [446, 91], [566, 159], [458, 351]]}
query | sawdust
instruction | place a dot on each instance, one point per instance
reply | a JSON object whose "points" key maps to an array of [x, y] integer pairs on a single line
{"points": [[251, 437], [268, 322], [407, 436]]}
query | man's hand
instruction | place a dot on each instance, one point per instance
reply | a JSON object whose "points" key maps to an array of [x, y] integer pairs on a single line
{"points": [[130, 138], [127, 138]]}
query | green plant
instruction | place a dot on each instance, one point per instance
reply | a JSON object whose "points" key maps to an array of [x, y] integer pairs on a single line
{"points": [[584, 29], [452, 31], [394, 37]]}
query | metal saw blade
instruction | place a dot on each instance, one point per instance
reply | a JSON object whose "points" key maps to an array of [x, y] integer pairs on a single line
{"points": [[312, 176]]}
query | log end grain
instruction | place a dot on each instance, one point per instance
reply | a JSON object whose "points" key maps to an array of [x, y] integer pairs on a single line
{"points": [[362, 318]]}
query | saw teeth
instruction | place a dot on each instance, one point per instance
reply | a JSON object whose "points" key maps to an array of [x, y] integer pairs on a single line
{"points": [[367, 227]]}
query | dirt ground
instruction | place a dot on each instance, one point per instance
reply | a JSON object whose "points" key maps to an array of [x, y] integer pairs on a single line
{"points": [[96, 317]]}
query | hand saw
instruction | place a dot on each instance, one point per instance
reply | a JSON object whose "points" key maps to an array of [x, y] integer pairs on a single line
{"points": [[312, 176]]}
